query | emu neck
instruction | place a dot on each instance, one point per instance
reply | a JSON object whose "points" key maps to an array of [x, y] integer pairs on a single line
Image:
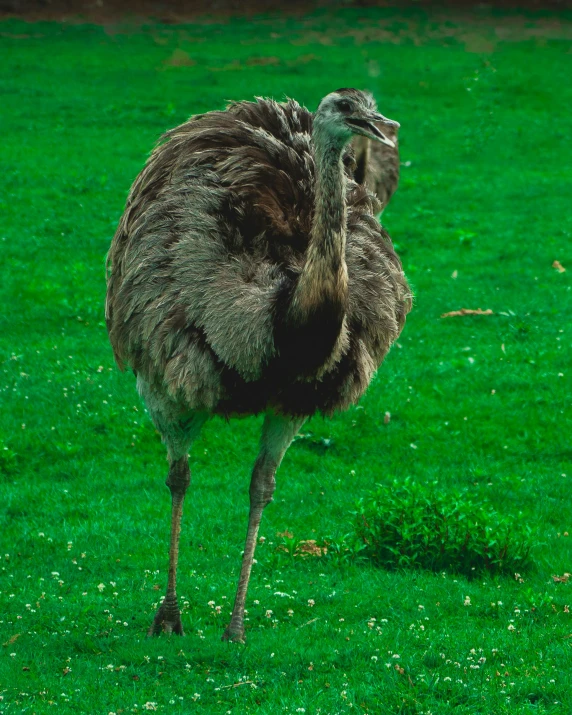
{"points": [[328, 232], [310, 334], [323, 281]]}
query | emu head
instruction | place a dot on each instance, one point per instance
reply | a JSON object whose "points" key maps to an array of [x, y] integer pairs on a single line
{"points": [[346, 112]]}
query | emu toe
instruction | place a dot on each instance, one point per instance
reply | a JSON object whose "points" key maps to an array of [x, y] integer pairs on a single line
{"points": [[234, 635], [167, 619]]}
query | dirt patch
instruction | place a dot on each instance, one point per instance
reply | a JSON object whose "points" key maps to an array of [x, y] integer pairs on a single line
{"points": [[480, 28], [262, 61], [180, 58], [178, 11]]}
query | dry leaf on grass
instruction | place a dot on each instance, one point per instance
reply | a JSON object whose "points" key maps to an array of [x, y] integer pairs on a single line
{"points": [[13, 639], [559, 267], [311, 548], [306, 548], [561, 579], [467, 311]]}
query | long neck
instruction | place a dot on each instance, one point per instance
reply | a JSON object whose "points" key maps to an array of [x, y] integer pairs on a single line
{"points": [[324, 276], [328, 232], [310, 313]]}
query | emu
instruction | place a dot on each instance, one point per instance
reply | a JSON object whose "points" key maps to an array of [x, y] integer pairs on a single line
{"points": [[248, 274]]}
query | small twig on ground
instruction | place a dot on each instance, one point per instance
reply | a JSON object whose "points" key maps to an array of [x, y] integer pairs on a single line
{"points": [[236, 685], [467, 311]]}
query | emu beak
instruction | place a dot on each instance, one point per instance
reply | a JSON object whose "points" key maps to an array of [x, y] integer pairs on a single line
{"points": [[368, 127]]}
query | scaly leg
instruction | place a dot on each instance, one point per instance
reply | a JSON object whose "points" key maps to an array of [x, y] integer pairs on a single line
{"points": [[168, 616], [178, 432], [277, 435]]}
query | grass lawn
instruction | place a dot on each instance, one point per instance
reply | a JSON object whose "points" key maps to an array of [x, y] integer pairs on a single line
{"points": [[478, 404]]}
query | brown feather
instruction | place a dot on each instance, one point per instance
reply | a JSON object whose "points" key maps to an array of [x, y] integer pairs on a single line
{"points": [[215, 229]]}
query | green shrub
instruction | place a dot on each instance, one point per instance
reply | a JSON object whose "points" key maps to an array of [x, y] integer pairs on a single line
{"points": [[414, 526]]}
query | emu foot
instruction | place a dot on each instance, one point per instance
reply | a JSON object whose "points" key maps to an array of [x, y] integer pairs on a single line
{"points": [[234, 634], [167, 618]]}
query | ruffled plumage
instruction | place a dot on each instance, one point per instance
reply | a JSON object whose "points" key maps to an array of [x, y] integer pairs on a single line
{"points": [[214, 233]]}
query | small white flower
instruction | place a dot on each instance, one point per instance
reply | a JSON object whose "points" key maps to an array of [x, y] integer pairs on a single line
{"points": [[101, 587]]}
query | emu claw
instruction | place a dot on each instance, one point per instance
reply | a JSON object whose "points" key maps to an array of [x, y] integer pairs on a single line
{"points": [[167, 619], [234, 635]]}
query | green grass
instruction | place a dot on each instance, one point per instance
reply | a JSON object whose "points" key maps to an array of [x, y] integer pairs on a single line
{"points": [[479, 405]]}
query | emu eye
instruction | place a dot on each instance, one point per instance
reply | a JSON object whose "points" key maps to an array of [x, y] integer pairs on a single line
{"points": [[344, 106]]}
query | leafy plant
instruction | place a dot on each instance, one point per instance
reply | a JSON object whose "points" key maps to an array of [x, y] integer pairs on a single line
{"points": [[414, 526]]}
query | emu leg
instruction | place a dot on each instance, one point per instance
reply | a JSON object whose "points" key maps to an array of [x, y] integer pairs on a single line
{"points": [[168, 616], [277, 434]]}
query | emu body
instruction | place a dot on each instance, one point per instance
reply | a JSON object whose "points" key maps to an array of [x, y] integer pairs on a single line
{"points": [[248, 274]]}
